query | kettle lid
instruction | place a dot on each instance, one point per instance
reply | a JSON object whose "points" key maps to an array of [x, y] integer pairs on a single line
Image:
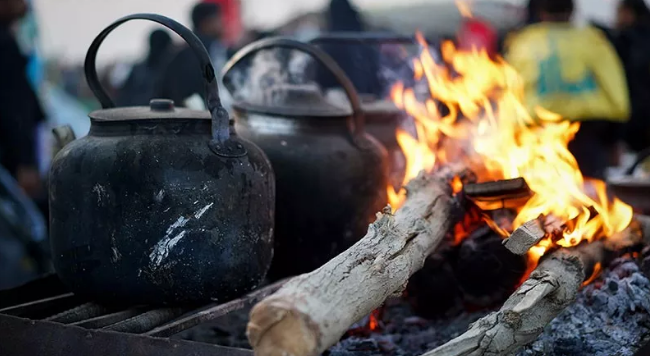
{"points": [[157, 109], [299, 100]]}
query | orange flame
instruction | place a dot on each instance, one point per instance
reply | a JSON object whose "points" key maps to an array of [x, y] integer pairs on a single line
{"points": [[487, 127], [373, 320], [597, 268]]}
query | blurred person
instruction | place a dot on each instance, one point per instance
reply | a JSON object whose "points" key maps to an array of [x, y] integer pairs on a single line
{"points": [[576, 73], [182, 78], [250, 36], [477, 34], [20, 109], [532, 13], [632, 41], [359, 62], [140, 86]]}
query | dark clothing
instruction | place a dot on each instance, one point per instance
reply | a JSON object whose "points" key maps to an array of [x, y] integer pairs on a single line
{"points": [[140, 86], [633, 46], [593, 145], [359, 62], [532, 13], [20, 110], [182, 77]]}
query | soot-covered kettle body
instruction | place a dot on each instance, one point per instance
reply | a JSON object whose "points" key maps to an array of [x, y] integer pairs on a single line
{"points": [[331, 176], [158, 204]]}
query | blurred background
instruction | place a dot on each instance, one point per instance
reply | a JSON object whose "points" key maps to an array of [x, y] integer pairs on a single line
{"points": [[53, 37], [68, 26], [60, 31]]}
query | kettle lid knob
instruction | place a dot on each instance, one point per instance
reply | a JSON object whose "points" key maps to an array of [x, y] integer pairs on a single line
{"points": [[161, 105]]}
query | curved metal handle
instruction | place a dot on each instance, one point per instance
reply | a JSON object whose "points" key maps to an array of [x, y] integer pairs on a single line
{"points": [[640, 157], [316, 53], [220, 127]]}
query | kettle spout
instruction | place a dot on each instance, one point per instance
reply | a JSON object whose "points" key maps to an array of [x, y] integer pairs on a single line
{"points": [[63, 135]]}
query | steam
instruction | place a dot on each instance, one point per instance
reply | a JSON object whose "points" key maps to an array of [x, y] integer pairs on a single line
{"points": [[270, 75]]}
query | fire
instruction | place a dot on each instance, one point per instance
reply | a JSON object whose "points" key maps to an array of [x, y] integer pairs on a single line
{"points": [[473, 113], [373, 319], [597, 268]]}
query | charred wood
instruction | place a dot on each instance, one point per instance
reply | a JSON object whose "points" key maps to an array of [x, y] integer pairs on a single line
{"points": [[500, 188], [486, 271], [530, 233], [547, 292], [433, 291], [508, 193]]}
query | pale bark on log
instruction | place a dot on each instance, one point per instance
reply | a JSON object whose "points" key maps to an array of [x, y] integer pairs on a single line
{"points": [[524, 237], [312, 311], [545, 294], [532, 232]]}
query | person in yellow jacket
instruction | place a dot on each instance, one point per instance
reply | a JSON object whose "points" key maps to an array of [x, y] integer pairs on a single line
{"points": [[576, 73]]}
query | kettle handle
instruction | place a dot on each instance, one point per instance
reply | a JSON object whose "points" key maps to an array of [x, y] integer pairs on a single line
{"points": [[220, 124], [318, 54]]}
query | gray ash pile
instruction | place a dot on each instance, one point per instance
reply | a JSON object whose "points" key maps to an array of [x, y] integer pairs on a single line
{"points": [[611, 316], [401, 333]]}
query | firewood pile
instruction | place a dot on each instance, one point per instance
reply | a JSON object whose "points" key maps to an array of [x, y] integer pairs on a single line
{"points": [[312, 312], [496, 231]]}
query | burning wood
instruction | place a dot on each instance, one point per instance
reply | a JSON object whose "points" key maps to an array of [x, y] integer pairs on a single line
{"points": [[508, 193], [484, 125], [531, 233], [525, 237], [312, 311], [549, 289], [486, 272]]}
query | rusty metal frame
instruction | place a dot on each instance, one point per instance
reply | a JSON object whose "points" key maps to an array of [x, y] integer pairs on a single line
{"points": [[24, 337], [62, 324]]}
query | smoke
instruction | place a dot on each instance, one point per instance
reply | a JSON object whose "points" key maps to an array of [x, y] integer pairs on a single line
{"points": [[267, 77]]}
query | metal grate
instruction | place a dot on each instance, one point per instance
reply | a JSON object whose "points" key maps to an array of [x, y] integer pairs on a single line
{"points": [[42, 319]]}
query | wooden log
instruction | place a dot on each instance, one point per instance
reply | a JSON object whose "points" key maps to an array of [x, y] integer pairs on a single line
{"points": [[312, 311], [549, 289], [532, 232], [524, 237], [509, 193]]}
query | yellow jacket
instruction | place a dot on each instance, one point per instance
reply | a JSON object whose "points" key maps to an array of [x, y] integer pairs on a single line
{"points": [[571, 71]]}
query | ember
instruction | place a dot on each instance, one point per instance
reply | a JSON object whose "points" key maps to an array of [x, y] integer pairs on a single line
{"points": [[609, 318]]}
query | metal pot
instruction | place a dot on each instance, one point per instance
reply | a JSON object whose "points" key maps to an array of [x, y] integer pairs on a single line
{"points": [[382, 120], [632, 190], [161, 205], [382, 117], [330, 175]]}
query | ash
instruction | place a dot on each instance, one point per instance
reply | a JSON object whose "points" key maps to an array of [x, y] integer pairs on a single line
{"points": [[609, 317], [402, 333]]}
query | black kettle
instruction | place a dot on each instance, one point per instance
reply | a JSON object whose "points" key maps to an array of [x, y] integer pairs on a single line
{"points": [[161, 205], [331, 176]]}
